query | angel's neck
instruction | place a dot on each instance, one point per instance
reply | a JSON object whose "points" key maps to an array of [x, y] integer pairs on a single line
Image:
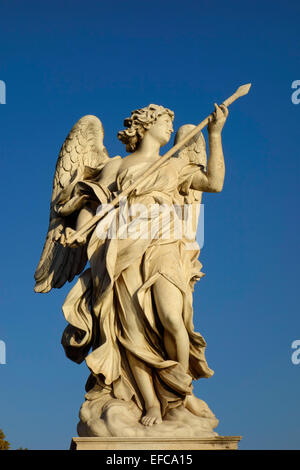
{"points": [[148, 148]]}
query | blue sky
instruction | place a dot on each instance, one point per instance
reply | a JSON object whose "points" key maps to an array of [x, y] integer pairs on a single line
{"points": [[64, 59]]}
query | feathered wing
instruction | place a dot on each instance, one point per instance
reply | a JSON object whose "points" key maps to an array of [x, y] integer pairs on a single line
{"points": [[194, 152], [82, 148]]}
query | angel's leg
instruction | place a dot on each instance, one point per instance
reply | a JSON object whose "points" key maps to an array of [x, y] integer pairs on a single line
{"points": [[130, 316], [143, 378], [169, 305]]}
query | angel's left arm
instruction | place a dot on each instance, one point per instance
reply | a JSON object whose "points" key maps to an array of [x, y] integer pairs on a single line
{"points": [[212, 181]]}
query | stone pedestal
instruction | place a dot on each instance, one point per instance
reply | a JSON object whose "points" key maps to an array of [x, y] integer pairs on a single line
{"points": [[159, 443]]}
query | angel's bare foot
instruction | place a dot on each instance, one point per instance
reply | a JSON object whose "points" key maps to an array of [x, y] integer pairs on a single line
{"points": [[198, 407], [153, 416]]}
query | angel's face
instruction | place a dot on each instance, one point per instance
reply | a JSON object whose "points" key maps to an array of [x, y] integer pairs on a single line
{"points": [[162, 129]]}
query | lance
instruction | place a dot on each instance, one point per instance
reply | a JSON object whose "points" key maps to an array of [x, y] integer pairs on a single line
{"points": [[241, 91]]}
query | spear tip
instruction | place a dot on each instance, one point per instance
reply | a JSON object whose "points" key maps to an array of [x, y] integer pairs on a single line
{"points": [[244, 89]]}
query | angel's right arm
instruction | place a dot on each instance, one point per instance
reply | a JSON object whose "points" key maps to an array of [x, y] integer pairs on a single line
{"points": [[108, 176], [107, 179]]}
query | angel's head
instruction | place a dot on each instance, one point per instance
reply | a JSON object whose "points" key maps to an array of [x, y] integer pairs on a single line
{"points": [[153, 118]]}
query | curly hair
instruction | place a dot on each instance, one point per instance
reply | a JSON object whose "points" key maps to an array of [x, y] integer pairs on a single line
{"points": [[139, 122]]}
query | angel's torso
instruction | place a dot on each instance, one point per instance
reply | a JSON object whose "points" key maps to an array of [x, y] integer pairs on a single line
{"points": [[164, 179]]}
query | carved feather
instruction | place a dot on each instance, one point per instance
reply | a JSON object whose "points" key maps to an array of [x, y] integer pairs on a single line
{"points": [[194, 150], [82, 147]]}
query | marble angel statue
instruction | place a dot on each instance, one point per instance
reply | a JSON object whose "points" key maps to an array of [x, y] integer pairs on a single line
{"points": [[130, 313]]}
